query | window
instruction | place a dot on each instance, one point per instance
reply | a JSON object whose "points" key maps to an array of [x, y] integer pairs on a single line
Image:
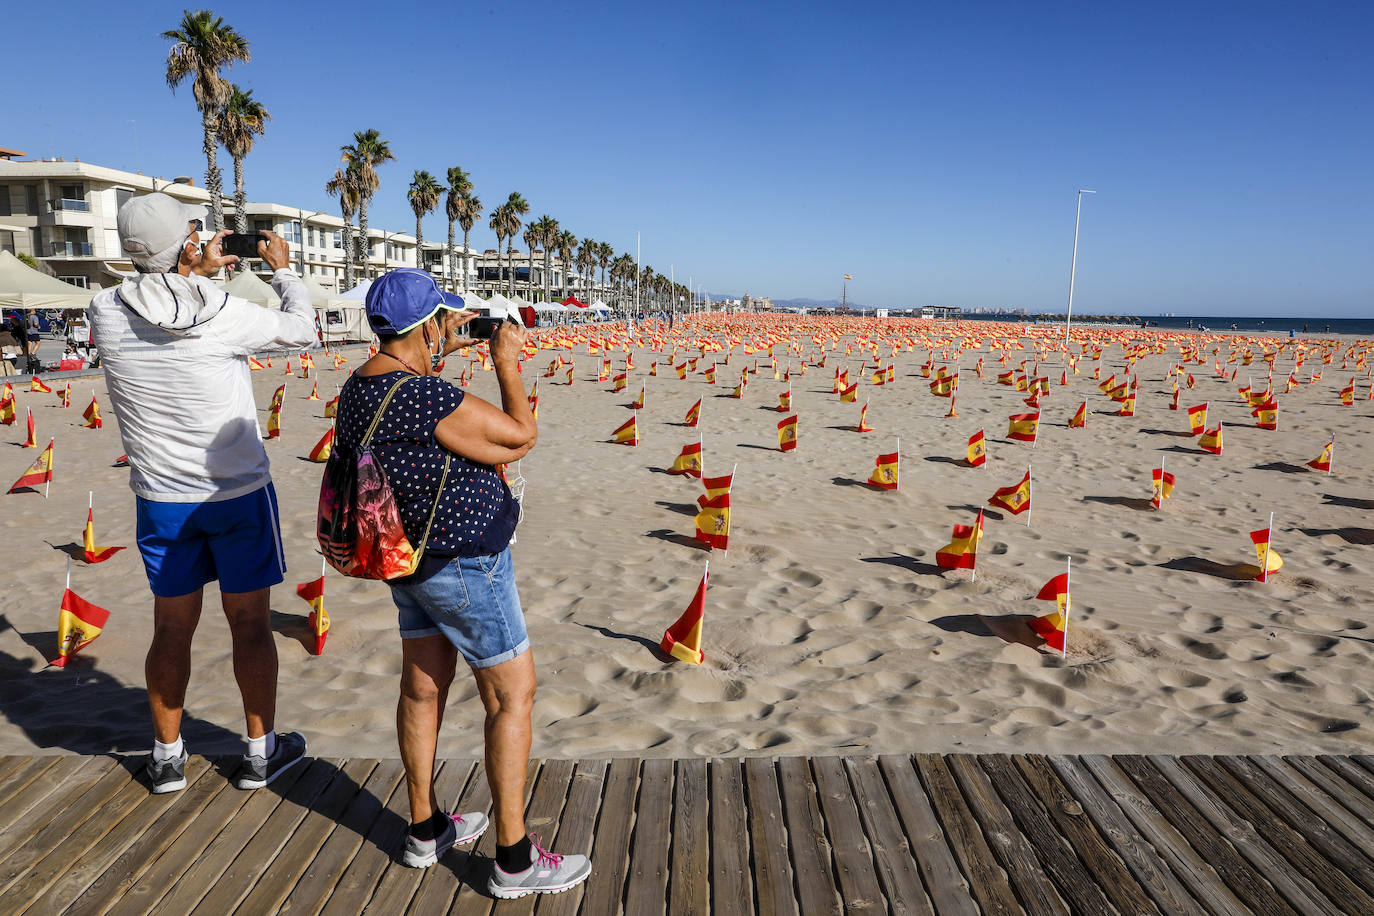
{"points": [[5, 201], [77, 281], [31, 199], [263, 225], [338, 238], [7, 238], [293, 231], [72, 192], [122, 196]]}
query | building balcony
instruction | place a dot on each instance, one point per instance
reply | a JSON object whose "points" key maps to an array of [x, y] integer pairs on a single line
{"points": [[71, 250], [66, 203]]}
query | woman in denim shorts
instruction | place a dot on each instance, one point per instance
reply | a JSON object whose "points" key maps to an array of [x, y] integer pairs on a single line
{"points": [[439, 448]]}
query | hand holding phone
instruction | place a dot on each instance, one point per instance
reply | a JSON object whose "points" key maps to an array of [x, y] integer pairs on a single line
{"points": [[242, 246]]}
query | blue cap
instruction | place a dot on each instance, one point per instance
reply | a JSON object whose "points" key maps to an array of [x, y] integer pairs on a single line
{"points": [[403, 299]]}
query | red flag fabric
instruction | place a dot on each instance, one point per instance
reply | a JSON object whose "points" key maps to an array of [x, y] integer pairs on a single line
{"points": [[962, 551], [683, 639], [1015, 498], [1323, 461], [1079, 420], [92, 415], [1052, 626], [320, 453], [313, 594], [787, 433], [885, 474], [693, 414], [78, 624], [40, 472], [627, 433], [1023, 427], [688, 463], [93, 553], [713, 522], [977, 449]]}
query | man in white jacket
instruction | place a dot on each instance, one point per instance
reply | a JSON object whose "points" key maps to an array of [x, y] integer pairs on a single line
{"points": [[175, 349]]}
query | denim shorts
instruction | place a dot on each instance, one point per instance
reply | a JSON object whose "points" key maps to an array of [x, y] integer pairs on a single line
{"points": [[473, 603]]}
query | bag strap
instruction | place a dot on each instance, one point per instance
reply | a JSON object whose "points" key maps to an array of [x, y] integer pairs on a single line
{"points": [[382, 409]]}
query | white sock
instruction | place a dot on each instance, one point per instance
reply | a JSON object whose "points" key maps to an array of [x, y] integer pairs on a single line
{"points": [[171, 751], [263, 747]]}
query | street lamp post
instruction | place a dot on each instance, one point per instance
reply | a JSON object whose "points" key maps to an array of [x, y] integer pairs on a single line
{"points": [[1073, 266], [300, 246]]}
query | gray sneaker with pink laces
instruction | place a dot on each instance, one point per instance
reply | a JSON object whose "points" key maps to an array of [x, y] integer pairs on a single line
{"points": [[548, 874]]}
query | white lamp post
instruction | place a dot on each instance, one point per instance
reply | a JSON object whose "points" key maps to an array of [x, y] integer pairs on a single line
{"points": [[1073, 265]]}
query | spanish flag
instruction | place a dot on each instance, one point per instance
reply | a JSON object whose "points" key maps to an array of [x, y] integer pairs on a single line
{"points": [[255, 364], [1127, 408], [835, 386], [313, 594], [1162, 484], [315, 390], [39, 472], [681, 369], [1197, 418], [1323, 461], [785, 401], [331, 407], [879, 376], [943, 386], [1080, 417], [1266, 414], [962, 551], [848, 277], [339, 360], [851, 394], [653, 370], [93, 553], [738, 393], [885, 473], [891, 373], [713, 522], [570, 375], [1173, 404], [1007, 378], [36, 384], [1210, 441], [693, 414], [66, 395], [710, 374], [977, 449], [683, 639], [637, 404], [7, 412], [1347, 393], [1015, 498], [320, 453], [627, 432], [787, 433], [1054, 627], [1269, 559], [78, 624], [274, 413], [289, 370], [715, 486], [688, 462], [863, 426], [621, 381], [1024, 427], [92, 415]]}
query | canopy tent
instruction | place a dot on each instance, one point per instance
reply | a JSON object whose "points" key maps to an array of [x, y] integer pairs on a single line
{"points": [[22, 287], [247, 285], [550, 307], [599, 306], [340, 319], [358, 292], [573, 300]]}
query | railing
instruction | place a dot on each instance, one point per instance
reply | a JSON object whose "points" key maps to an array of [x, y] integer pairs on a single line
{"points": [[71, 249], [67, 203]]}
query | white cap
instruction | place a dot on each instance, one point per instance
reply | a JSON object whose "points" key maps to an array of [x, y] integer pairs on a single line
{"points": [[151, 224]]}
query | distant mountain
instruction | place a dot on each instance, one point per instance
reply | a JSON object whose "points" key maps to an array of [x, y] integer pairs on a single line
{"points": [[802, 303]]}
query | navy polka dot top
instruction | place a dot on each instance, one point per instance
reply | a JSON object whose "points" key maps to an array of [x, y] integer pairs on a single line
{"points": [[476, 514]]}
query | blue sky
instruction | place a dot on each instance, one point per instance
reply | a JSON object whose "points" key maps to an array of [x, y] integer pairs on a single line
{"points": [[931, 151]]}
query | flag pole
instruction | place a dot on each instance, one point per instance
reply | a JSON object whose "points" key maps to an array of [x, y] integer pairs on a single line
{"points": [[1268, 540], [1030, 492], [1068, 605], [324, 564], [69, 572], [1331, 457], [899, 462], [47, 486]]}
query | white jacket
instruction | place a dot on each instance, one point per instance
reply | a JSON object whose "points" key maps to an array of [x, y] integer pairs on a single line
{"points": [[175, 352]]}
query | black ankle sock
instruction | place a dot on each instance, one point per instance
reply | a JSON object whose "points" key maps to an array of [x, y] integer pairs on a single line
{"points": [[429, 829], [514, 858]]}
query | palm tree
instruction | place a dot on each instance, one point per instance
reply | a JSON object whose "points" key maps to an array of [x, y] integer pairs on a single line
{"points": [[201, 46], [605, 254], [242, 118], [547, 231], [500, 219], [367, 151], [586, 263], [565, 242], [469, 209], [516, 207], [533, 237], [344, 185], [423, 196], [459, 187]]}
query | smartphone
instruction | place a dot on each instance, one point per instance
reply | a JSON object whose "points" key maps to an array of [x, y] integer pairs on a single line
{"points": [[482, 327], [244, 246]]}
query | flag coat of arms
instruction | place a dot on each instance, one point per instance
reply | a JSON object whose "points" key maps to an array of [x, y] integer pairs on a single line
{"points": [[627, 432], [621, 381], [40, 472], [1266, 415], [1054, 626], [7, 411], [688, 462], [693, 414], [710, 374], [1015, 498], [92, 415], [962, 550], [1197, 418], [886, 471], [1162, 485], [681, 369], [78, 624], [1023, 427], [1210, 440], [713, 522], [785, 401], [787, 433], [36, 384], [313, 594], [977, 449]]}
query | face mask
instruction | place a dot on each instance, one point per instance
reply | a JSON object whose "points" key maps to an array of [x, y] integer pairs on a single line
{"points": [[436, 353]]}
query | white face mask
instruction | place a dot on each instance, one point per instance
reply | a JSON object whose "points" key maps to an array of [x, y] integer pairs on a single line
{"points": [[436, 350]]}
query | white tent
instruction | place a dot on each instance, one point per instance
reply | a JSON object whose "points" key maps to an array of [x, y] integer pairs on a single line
{"points": [[247, 285], [358, 292], [22, 287], [550, 307], [599, 306]]}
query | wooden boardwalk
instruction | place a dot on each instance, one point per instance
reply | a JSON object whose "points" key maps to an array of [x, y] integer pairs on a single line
{"points": [[958, 834]]}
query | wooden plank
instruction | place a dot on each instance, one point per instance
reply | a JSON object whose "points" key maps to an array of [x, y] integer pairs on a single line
{"points": [[45, 796], [817, 890], [361, 873], [304, 840], [398, 884], [162, 873], [688, 888], [575, 831], [483, 856], [105, 852], [946, 885], [894, 863], [1134, 877], [647, 891], [442, 883], [1364, 760], [987, 881], [1356, 775], [606, 887], [1090, 775], [541, 818], [199, 879], [1351, 799], [1024, 863], [1078, 883], [1281, 840], [317, 883], [854, 866], [768, 838], [1308, 814], [1248, 883], [730, 884], [11, 762], [78, 804], [13, 786]]}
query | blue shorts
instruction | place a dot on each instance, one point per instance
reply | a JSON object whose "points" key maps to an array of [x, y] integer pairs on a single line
{"points": [[236, 541], [473, 603]]}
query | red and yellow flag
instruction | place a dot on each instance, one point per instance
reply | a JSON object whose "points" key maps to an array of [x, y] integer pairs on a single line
{"points": [[787, 433], [785, 401], [943, 386], [977, 449], [682, 640], [1127, 408], [1323, 461], [688, 462], [885, 473], [255, 364], [1162, 485], [713, 522], [1054, 627], [653, 369], [274, 413], [622, 381], [710, 374], [681, 369], [715, 486], [1266, 415], [1080, 417], [66, 395], [315, 391], [92, 415], [320, 453], [7, 411], [93, 553], [36, 384], [637, 403], [331, 407], [1197, 418], [1023, 427], [313, 594], [962, 550], [850, 394], [627, 432], [863, 426], [1210, 441], [40, 472], [1348, 393], [1269, 559], [1015, 498], [78, 624], [693, 414]]}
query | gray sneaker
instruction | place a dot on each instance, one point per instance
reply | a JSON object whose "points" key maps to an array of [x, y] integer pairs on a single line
{"points": [[461, 828], [255, 772], [547, 874], [169, 775]]}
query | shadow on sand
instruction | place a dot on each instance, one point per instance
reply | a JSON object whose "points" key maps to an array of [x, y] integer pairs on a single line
{"points": [[1236, 572], [910, 564], [673, 537], [1010, 628], [1130, 502]]}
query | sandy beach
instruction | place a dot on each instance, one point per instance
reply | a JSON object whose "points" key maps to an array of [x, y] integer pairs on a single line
{"points": [[828, 628]]}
